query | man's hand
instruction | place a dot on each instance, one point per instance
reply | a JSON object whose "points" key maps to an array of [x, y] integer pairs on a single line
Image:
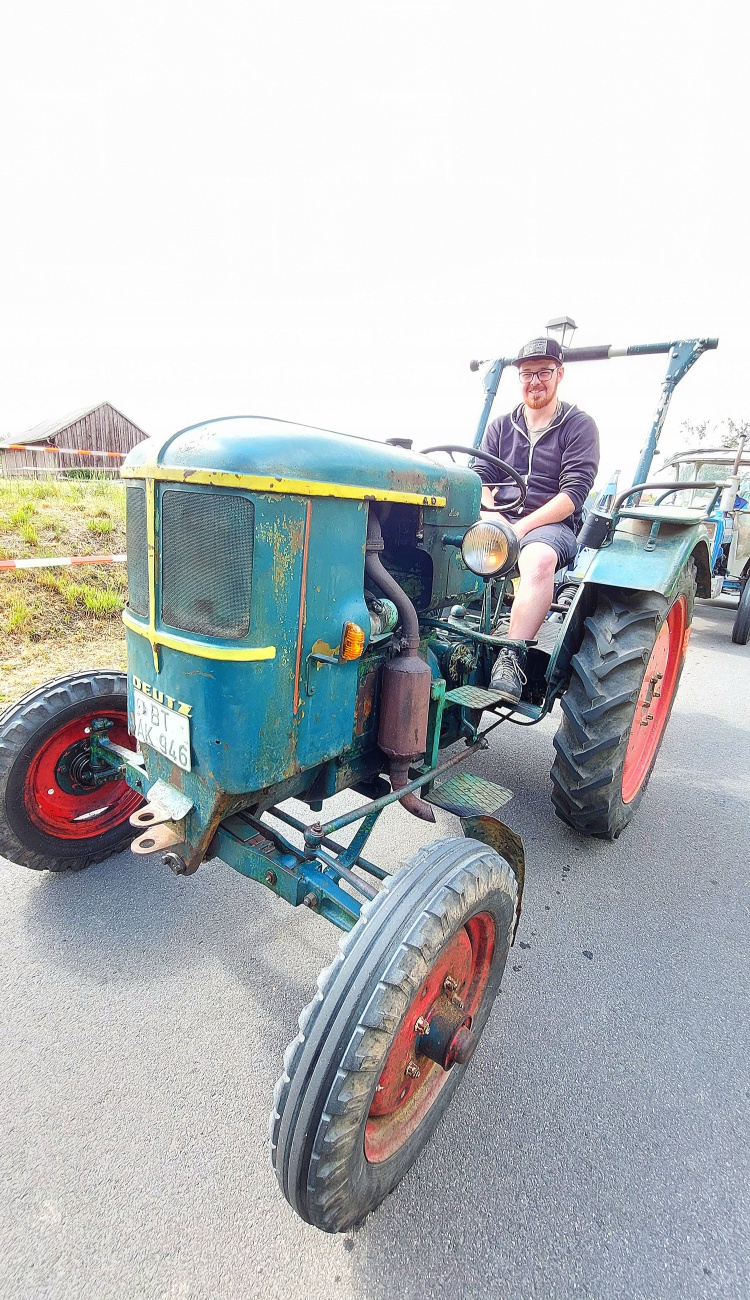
{"points": [[552, 512]]}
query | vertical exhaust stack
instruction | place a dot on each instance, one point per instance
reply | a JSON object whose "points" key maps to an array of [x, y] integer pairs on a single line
{"points": [[405, 699]]}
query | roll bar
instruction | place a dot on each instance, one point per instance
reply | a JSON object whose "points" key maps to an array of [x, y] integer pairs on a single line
{"points": [[682, 353]]}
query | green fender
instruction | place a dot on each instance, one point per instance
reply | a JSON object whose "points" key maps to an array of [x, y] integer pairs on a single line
{"points": [[637, 559], [649, 550]]}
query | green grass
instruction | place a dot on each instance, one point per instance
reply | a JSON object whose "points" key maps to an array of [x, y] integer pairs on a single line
{"points": [[21, 516], [100, 525], [54, 619], [52, 519], [102, 604], [20, 617], [29, 534]]}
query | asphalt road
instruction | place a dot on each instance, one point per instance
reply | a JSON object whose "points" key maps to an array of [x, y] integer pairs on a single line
{"points": [[598, 1146]]}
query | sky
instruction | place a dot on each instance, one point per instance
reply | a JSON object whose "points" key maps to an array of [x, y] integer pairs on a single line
{"points": [[323, 211]]}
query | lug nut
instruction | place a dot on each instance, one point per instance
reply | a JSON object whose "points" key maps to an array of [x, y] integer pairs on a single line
{"points": [[310, 900], [412, 1071], [422, 1025]]}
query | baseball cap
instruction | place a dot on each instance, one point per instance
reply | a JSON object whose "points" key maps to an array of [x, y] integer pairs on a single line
{"points": [[540, 348]]}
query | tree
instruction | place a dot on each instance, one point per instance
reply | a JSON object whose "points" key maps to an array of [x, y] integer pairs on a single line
{"points": [[725, 433]]}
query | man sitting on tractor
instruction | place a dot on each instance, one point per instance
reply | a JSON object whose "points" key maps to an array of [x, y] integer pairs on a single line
{"points": [[556, 449]]}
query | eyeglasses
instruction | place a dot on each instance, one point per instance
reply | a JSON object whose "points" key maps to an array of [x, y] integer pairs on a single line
{"points": [[526, 376]]}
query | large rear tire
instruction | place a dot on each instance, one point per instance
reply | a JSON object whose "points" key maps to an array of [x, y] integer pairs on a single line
{"points": [[615, 711], [359, 1098], [56, 813], [741, 626]]}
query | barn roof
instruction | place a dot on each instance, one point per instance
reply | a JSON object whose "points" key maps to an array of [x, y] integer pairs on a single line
{"points": [[50, 428]]}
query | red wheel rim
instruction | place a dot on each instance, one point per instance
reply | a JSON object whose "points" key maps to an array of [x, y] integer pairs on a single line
{"points": [[401, 1102], [655, 698], [88, 812]]}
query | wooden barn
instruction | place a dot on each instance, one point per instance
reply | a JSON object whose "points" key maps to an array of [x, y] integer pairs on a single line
{"points": [[96, 438]]}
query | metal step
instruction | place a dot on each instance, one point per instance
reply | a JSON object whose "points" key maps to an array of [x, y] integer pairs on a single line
{"points": [[474, 697], [466, 795]]}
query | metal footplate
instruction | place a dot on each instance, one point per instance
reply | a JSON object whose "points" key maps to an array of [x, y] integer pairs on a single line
{"points": [[475, 697], [467, 795]]}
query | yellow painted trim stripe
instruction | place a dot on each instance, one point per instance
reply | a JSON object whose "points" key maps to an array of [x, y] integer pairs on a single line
{"points": [[264, 483], [151, 561], [199, 648]]}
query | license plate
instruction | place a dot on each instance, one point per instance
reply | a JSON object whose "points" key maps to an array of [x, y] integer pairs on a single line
{"points": [[162, 729]]}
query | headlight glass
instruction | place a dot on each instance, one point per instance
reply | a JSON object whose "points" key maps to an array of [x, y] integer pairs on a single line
{"points": [[490, 548]]}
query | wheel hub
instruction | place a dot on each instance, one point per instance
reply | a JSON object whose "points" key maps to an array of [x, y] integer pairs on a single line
{"points": [[448, 1039], [435, 1034], [74, 773], [66, 795]]}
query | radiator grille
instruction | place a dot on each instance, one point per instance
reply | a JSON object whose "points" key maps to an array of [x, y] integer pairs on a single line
{"points": [[137, 545], [206, 562]]}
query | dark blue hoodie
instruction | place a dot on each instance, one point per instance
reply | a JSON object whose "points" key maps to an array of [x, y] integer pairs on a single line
{"points": [[564, 459]]}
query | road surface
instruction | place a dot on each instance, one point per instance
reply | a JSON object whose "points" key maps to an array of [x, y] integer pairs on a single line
{"points": [[598, 1146]]}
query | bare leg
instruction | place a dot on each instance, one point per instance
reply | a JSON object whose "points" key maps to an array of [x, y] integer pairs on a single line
{"points": [[537, 564]]}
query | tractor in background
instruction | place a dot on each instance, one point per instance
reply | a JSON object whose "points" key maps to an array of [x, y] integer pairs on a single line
{"points": [[706, 473]]}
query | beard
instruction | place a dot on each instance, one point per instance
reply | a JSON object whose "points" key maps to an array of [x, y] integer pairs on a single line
{"points": [[536, 401], [543, 398]]}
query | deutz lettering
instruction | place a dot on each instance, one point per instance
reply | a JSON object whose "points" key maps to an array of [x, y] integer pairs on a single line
{"points": [[161, 698]]}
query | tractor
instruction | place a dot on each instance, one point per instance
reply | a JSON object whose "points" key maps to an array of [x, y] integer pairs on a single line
{"points": [[717, 485], [310, 613]]}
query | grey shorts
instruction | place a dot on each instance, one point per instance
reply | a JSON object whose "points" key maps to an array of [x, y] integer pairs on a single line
{"points": [[560, 537]]}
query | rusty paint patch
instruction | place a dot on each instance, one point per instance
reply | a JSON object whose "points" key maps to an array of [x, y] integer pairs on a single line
{"points": [[323, 648], [365, 701], [286, 538]]}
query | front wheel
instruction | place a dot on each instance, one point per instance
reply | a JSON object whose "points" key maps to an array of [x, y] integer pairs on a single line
{"points": [[615, 711], [56, 812], [384, 1044], [741, 626]]}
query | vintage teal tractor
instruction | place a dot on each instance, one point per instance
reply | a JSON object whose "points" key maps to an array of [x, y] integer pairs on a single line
{"points": [[716, 484], [311, 613]]}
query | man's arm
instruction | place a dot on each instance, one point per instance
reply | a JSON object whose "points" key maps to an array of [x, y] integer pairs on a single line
{"points": [[552, 512], [580, 460]]}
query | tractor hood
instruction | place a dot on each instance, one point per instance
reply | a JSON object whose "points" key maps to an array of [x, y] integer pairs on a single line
{"points": [[298, 459]]}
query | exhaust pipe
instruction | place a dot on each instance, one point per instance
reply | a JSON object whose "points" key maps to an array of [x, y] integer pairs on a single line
{"points": [[406, 683]]}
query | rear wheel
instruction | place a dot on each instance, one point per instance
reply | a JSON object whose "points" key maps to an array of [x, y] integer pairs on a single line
{"points": [[56, 812], [384, 1044], [741, 626], [623, 683]]}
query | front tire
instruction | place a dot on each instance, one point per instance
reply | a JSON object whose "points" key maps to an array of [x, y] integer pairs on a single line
{"points": [[358, 1099], [615, 711], [741, 626], [56, 814]]}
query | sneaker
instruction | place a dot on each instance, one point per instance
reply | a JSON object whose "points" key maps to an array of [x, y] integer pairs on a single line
{"points": [[508, 676]]}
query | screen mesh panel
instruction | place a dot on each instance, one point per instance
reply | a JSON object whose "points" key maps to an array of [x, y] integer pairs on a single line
{"points": [[137, 546], [206, 562]]}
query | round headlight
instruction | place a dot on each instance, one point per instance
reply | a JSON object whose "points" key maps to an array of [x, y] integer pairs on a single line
{"points": [[490, 548]]}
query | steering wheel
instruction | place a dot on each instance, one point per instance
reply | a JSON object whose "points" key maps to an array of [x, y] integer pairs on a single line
{"points": [[493, 460]]}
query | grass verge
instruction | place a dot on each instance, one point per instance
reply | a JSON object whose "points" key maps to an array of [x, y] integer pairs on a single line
{"points": [[53, 620]]}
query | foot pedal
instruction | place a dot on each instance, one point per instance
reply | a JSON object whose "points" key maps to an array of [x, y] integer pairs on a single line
{"points": [[466, 795], [474, 697]]}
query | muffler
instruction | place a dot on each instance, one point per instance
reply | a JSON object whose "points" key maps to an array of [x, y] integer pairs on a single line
{"points": [[406, 683]]}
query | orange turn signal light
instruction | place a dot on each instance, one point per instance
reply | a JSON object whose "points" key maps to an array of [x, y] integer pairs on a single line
{"points": [[352, 642]]}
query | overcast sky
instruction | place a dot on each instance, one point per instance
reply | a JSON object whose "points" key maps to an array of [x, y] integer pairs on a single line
{"points": [[322, 211]]}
